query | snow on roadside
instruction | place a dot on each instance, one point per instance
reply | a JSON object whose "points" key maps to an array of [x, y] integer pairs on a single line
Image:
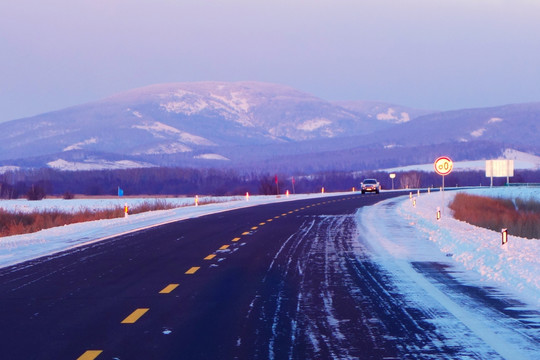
{"points": [[513, 267], [19, 248]]}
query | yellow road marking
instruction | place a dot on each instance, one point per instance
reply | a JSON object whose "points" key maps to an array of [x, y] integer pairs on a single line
{"points": [[210, 257], [254, 228], [136, 315], [290, 212], [269, 220], [236, 239], [90, 355], [276, 217], [168, 289], [245, 233], [224, 247], [284, 214], [193, 270], [261, 224]]}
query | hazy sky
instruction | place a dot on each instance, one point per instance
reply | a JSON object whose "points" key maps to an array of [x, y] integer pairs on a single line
{"points": [[433, 54]]}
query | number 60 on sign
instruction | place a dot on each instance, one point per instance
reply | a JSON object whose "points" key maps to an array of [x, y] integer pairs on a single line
{"points": [[443, 165]]}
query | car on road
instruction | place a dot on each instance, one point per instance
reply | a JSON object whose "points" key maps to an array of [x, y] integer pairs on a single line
{"points": [[370, 185]]}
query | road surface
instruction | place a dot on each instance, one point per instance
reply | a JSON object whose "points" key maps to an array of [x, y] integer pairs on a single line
{"points": [[293, 280]]}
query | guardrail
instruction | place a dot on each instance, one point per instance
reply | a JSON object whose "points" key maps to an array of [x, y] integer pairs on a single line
{"points": [[523, 184]]}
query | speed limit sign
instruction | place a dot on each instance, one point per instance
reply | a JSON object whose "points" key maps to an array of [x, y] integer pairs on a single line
{"points": [[443, 165]]}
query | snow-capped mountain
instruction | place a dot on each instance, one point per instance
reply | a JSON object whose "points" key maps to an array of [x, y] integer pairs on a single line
{"points": [[250, 124]]}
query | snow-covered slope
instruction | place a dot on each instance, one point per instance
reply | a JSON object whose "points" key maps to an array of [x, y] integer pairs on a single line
{"points": [[522, 161], [382, 111]]}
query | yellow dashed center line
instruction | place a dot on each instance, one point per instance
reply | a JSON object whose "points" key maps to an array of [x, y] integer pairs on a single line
{"points": [[193, 270], [168, 289], [90, 355], [136, 315]]}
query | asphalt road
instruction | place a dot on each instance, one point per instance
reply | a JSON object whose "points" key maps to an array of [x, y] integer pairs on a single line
{"points": [[279, 281]]}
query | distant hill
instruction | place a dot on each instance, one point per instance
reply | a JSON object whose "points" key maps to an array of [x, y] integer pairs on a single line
{"points": [[260, 126], [382, 111]]}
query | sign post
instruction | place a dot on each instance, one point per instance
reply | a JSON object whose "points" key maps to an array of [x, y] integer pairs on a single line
{"points": [[499, 168], [392, 176], [443, 166]]}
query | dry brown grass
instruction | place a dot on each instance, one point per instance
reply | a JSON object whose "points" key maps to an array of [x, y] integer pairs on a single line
{"points": [[520, 217], [23, 223]]}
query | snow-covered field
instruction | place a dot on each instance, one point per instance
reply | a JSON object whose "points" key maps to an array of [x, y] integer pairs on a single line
{"points": [[96, 203], [414, 234]]}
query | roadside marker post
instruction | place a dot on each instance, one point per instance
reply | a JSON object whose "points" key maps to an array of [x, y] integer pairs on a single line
{"points": [[438, 213], [125, 210], [504, 233], [196, 200]]}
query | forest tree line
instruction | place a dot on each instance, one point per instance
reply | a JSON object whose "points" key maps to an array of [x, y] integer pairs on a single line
{"points": [[38, 183]]}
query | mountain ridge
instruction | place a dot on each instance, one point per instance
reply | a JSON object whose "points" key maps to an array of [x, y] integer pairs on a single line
{"points": [[245, 124]]}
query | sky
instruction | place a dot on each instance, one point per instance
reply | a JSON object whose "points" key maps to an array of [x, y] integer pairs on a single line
{"points": [[429, 54]]}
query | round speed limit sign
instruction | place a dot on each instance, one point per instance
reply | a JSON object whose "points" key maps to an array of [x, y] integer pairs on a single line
{"points": [[443, 165]]}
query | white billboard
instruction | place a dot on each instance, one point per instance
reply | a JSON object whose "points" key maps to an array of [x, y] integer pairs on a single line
{"points": [[499, 168]]}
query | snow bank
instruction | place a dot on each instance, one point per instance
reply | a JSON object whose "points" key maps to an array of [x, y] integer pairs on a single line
{"points": [[514, 267]]}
